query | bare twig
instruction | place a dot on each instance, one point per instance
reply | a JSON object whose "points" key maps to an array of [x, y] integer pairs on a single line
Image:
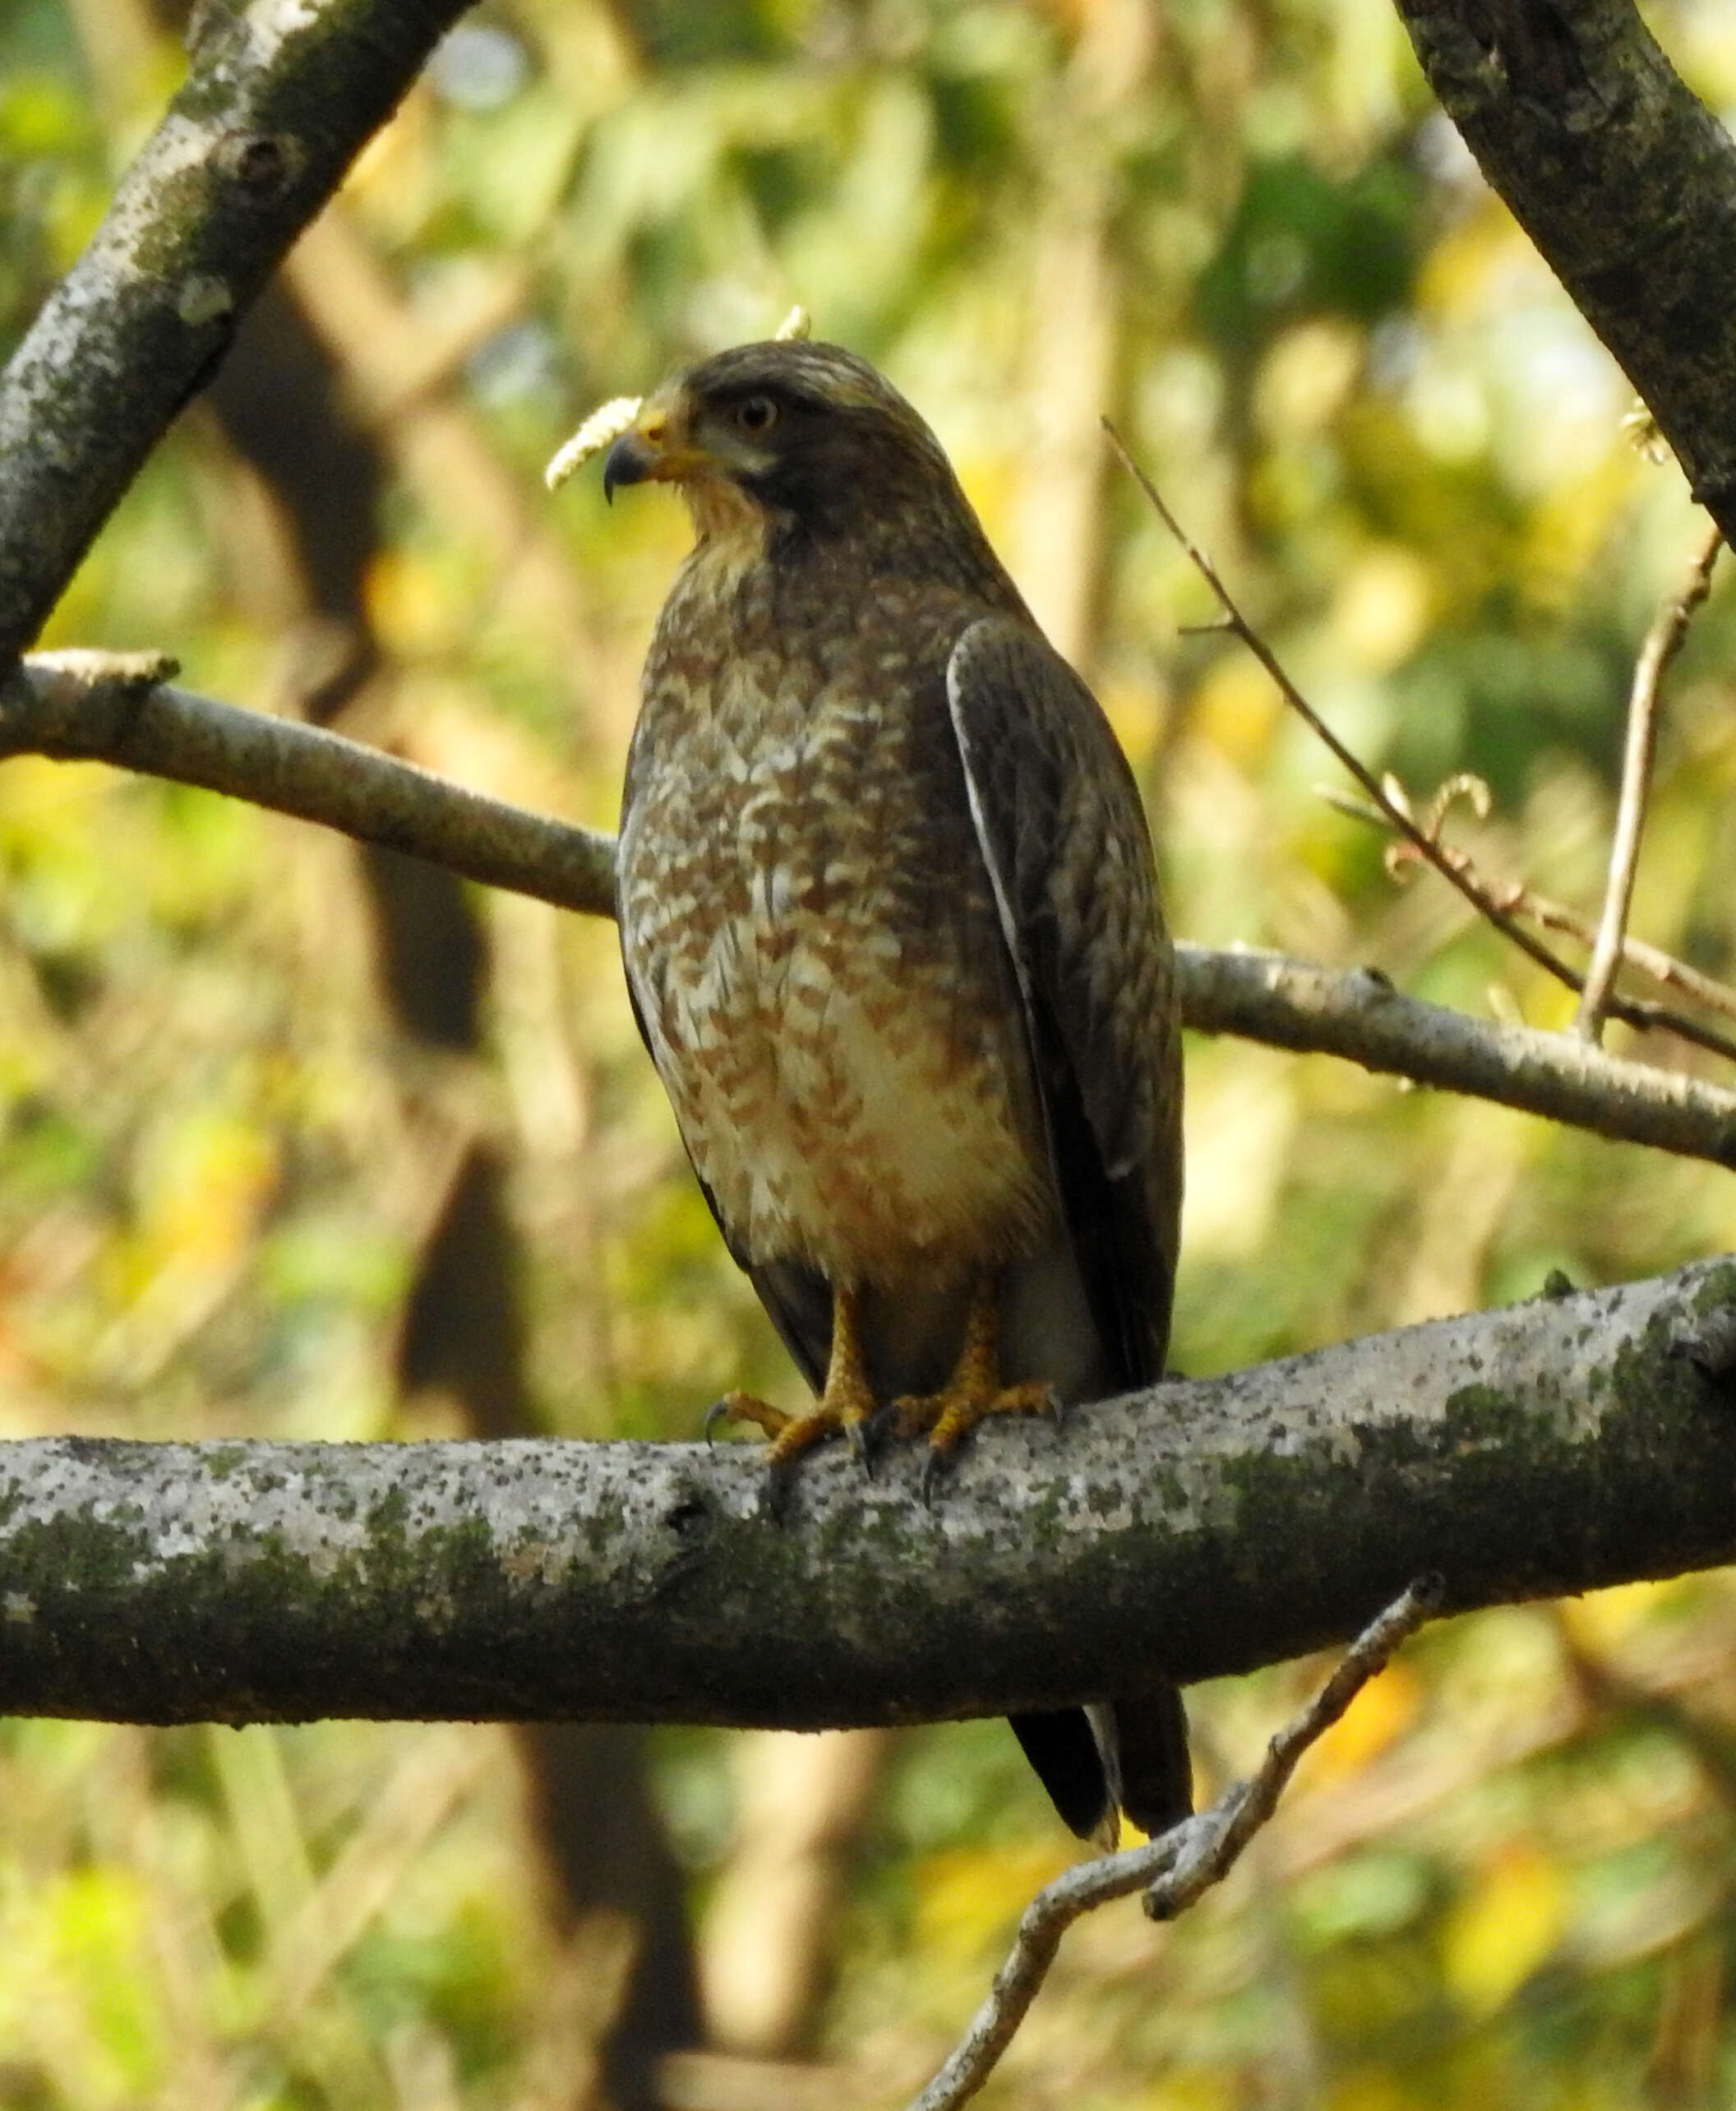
{"points": [[1663, 642], [1641, 1011], [1175, 1869], [1638, 953], [1419, 838], [1516, 898], [1238, 626], [116, 708]]}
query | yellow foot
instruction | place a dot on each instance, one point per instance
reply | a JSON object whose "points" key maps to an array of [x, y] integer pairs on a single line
{"points": [[746, 1407], [846, 1409], [950, 1415], [973, 1392]]}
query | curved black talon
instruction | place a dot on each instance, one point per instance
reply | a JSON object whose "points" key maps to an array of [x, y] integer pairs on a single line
{"points": [[865, 1439], [935, 1467], [718, 1412]]}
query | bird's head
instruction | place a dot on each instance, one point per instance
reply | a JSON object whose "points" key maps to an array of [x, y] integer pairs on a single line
{"points": [[786, 433]]}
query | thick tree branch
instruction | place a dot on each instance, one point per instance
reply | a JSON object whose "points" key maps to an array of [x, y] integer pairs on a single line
{"points": [[1204, 1527], [102, 707], [1626, 182], [279, 102]]}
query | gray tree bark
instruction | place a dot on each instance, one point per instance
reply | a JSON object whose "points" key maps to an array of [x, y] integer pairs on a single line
{"points": [[1200, 1528], [76, 705], [1626, 182]]}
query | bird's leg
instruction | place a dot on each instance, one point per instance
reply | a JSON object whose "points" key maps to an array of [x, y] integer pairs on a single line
{"points": [[974, 1391], [844, 1408]]}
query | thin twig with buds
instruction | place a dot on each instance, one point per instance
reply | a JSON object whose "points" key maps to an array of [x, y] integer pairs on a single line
{"points": [[1452, 867], [1516, 898]]}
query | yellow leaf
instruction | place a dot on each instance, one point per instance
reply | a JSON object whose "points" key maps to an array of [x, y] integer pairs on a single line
{"points": [[1235, 707], [1502, 1929], [969, 1898]]}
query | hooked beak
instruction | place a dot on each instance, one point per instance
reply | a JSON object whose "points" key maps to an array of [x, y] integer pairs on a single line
{"points": [[654, 450], [632, 460]]}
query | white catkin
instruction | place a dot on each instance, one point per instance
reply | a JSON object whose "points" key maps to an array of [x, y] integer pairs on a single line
{"points": [[605, 424]]}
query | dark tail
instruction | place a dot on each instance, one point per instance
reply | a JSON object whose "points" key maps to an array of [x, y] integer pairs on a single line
{"points": [[1130, 1755]]}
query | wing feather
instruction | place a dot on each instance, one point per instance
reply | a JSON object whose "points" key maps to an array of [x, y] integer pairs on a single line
{"points": [[1062, 831]]}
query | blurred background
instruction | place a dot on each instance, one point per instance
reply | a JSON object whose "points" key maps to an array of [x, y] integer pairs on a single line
{"points": [[300, 1141]]}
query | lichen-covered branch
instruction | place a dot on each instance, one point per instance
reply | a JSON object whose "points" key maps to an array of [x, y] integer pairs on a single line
{"points": [[1203, 1527], [278, 102], [1626, 182]]}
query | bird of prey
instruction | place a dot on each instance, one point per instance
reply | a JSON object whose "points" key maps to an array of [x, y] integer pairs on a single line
{"points": [[892, 933]]}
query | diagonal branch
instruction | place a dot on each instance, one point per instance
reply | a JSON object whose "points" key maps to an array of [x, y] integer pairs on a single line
{"points": [[1514, 897], [1651, 961], [280, 101], [1176, 1869], [1359, 1015], [1627, 184], [1204, 1527], [1421, 842], [114, 707]]}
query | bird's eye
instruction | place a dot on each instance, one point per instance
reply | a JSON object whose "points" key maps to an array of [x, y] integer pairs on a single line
{"points": [[756, 415]]}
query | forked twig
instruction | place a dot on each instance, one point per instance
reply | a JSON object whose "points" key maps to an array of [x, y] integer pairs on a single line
{"points": [[1174, 1869], [1663, 642], [1516, 898], [1651, 961], [1452, 867], [1238, 626]]}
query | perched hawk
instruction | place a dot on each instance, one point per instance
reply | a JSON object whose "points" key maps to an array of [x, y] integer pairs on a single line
{"points": [[892, 933]]}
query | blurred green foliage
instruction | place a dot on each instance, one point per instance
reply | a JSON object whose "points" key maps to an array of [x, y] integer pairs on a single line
{"points": [[1242, 230]]}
